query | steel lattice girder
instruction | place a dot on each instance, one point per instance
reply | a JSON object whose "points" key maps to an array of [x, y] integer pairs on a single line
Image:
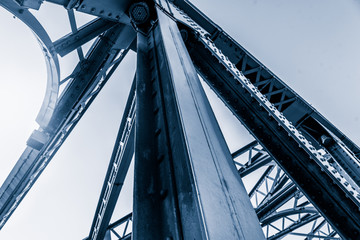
{"points": [[117, 170], [286, 213], [329, 198], [245, 61]]}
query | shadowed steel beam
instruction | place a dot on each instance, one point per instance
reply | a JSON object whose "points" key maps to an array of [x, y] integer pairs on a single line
{"points": [[297, 110], [74, 29], [186, 186], [346, 160], [281, 139], [117, 170], [74, 40], [108, 9], [86, 71]]}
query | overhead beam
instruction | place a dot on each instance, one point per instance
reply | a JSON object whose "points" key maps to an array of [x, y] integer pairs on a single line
{"points": [[295, 110], [331, 199], [87, 71], [84, 34], [74, 29]]}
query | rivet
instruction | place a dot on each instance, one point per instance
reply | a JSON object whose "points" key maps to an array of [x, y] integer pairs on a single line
{"points": [[153, 94], [156, 110], [157, 132], [163, 193], [160, 158]]}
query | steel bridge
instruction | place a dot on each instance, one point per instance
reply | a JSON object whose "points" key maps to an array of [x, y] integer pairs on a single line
{"points": [[305, 172]]}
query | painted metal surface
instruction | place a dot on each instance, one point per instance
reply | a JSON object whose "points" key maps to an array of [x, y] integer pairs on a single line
{"points": [[205, 186], [107, 9], [70, 42]]}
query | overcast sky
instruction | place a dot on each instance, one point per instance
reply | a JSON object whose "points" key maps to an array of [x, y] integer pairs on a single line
{"points": [[313, 46]]}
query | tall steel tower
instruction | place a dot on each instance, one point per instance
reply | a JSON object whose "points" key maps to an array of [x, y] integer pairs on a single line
{"points": [[187, 184]]}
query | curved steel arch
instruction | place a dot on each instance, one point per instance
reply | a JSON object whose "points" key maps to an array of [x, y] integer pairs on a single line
{"points": [[288, 212], [51, 59]]}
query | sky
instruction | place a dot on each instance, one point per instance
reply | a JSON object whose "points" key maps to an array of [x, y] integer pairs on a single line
{"points": [[313, 46]]}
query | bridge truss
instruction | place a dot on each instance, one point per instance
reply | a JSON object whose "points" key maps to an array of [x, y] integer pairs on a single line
{"points": [[305, 172]]}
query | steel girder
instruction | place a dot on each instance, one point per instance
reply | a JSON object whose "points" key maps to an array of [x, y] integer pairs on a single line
{"points": [[88, 70], [81, 36], [183, 173]]}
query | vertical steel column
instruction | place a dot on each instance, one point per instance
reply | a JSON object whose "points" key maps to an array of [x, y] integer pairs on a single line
{"points": [[186, 186]]}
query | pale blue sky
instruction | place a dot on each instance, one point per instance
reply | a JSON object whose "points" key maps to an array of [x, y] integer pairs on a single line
{"points": [[311, 45]]}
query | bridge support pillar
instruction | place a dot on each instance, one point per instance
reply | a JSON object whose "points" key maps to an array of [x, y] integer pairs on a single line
{"points": [[185, 185]]}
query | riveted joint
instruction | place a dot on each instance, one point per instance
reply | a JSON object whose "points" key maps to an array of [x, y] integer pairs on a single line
{"points": [[143, 15], [139, 13]]}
